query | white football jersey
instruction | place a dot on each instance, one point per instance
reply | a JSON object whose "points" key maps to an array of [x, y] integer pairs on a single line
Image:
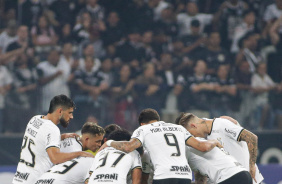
{"points": [[165, 143], [228, 134], [69, 172], [40, 134], [112, 166], [216, 164], [70, 145]]}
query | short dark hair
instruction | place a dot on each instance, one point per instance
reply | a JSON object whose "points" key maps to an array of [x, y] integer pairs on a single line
{"points": [[60, 100], [110, 128], [148, 115], [120, 135], [92, 128], [184, 118]]}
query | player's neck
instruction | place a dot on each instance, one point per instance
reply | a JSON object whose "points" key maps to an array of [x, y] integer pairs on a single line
{"points": [[52, 118]]}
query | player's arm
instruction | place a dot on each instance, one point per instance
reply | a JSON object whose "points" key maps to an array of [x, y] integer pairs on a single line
{"points": [[57, 157], [136, 174], [68, 135], [126, 146], [200, 179], [203, 145], [252, 142], [145, 177]]}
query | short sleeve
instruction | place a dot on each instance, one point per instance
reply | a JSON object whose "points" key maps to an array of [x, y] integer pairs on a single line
{"points": [[53, 138], [187, 134], [136, 162], [231, 130], [138, 134]]}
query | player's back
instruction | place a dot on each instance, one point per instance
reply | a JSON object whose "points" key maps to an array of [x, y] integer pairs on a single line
{"points": [[112, 166], [165, 143], [40, 134], [69, 172], [216, 163]]}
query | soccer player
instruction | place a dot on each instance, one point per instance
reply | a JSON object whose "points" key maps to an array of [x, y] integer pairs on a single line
{"points": [[75, 170], [112, 165], [217, 165], [40, 147], [165, 143], [237, 141]]}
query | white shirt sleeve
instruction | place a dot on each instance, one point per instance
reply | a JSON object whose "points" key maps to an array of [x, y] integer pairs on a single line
{"points": [[53, 138], [231, 130], [146, 161], [136, 163], [138, 134], [187, 134]]}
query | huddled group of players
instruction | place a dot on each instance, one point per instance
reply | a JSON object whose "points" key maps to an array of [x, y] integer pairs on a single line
{"points": [[217, 151]]}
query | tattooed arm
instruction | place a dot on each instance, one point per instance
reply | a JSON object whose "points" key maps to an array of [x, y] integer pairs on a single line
{"points": [[200, 179], [126, 146], [252, 141]]}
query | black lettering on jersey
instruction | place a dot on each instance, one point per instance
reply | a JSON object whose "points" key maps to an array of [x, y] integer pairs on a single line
{"points": [[36, 123], [33, 133], [106, 176], [22, 176], [180, 168], [233, 133], [171, 129], [154, 130], [45, 181], [67, 142]]}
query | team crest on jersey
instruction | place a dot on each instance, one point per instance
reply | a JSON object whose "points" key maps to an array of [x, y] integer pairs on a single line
{"points": [[233, 133]]}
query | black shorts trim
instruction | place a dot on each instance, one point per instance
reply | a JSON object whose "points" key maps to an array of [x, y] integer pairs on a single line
{"points": [[242, 177], [172, 181]]}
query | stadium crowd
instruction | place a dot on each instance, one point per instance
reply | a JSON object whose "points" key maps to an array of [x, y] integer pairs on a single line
{"points": [[115, 58]]}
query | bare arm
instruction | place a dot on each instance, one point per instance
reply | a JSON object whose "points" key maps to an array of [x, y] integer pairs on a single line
{"points": [[126, 146], [58, 157], [252, 142], [136, 175], [200, 179], [202, 145], [145, 178]]}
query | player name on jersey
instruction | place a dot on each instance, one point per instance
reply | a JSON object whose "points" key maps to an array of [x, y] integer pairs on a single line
{"points": [[155, 130]]}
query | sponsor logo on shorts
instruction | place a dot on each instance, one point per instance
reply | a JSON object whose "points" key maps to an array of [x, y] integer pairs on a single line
{"points": [[45, 181], [113, 176], [233, 133], [22, 176]]}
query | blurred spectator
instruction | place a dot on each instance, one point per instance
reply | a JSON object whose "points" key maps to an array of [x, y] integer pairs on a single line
{"points": [[5, 86], [90, 85], [83, 29], [114, 30], [223, 98], [88, 51], [53, 76], [249, 51], [158, 5], [276, 33], [228, 17], [148, 88], [214, 54], [167, 23], [273, 11], [43, 34], [184, 19], [147, 40], [107, 70], [65, 34], [31, 10], [262, 84], [248, 25], [132, 51], [197, 90], [22, 98], [193, 42], [122, 91], [96, 11], [276, 103], [8, 36], [21, 41], [246, 102], [66, 16], [67, 56]]}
